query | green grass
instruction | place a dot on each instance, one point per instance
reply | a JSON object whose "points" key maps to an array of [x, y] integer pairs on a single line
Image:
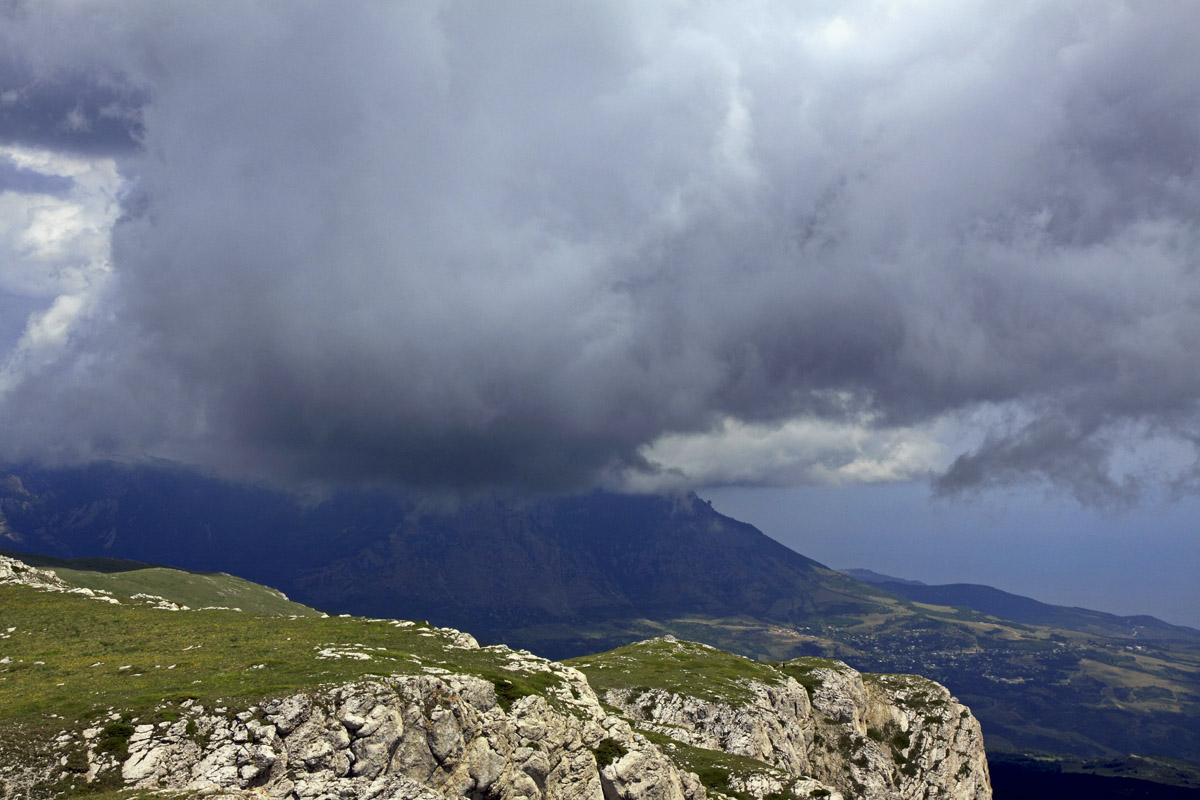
{"points": [[679, 667], [193, 589], [184, 587], [608, 751], [95, 656], [694, 670], [70, 663], [715, 767]]}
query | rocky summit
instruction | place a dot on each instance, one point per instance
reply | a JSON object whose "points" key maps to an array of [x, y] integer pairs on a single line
{"points": [[867, 736], [102, 693]]}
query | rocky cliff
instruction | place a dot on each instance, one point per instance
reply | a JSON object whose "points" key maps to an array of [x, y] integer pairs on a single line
{"points": [[773, 723], [418, 736], [430, 714], [876, 737]]}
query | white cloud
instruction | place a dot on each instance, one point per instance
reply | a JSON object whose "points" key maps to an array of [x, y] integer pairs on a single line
{"points": [[799, 451], [56, 243], [55, 248]]}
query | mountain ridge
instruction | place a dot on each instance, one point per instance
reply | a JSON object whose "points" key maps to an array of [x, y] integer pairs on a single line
{"points": [[571, 576], [596, 556], [876, 578], [1011, 606], [1018, 608]]}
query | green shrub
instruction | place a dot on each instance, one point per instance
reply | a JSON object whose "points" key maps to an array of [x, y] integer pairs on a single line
{"points": [[76, 761], [608, 751], [508, 693], [114, 738], [166, 715]]}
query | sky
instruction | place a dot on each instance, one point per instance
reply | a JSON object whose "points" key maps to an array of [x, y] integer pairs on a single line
{"points": [[824, 253]]}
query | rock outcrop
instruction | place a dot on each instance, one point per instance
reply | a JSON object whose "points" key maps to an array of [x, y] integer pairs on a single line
{"points": [[774, 725], [895, 736], [874, 737], [409, 737], [533, 729], [18, 573]]}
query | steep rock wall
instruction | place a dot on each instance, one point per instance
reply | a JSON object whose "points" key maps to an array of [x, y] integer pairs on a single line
{"points": [[409, 737], [875, 737], [775, 726]]}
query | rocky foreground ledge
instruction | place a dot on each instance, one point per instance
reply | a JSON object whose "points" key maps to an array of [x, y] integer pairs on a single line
{"points": [[415, 737], [864, 736], [804, 729]]}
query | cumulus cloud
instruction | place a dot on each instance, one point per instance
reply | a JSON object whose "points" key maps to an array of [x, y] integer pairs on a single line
{"points": [[796, 452], [56, 213], [546, 245]]}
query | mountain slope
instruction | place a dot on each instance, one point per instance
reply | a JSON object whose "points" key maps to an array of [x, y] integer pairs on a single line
{"points": [[1013, 607], [579, 559], [98, 695], [876, 578], [124, 578], [586, 558], [568, 576]]}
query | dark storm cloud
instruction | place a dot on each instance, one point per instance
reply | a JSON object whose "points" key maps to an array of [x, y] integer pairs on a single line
{"points": [[70, 112], [467, 244], [1066, 452]]}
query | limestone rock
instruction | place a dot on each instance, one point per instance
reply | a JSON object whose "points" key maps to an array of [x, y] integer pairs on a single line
{"points": [[413, 736], [775, 726], [895, 736], [841, 696], [874, 737]]}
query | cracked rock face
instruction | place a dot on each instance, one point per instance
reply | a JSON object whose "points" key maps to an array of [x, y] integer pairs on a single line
{"points": [[775, 727], [841, 696], [875, 737], [872, 737], [418, 736], [896, 736], [945, 752]]}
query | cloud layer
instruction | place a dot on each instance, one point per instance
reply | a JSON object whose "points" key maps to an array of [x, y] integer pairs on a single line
{"points": [[542, 245]]}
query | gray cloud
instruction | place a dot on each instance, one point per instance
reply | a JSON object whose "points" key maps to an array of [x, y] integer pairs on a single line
{"points": [[463, 244], [1066, 452], [14, 178], [69, 113]]}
